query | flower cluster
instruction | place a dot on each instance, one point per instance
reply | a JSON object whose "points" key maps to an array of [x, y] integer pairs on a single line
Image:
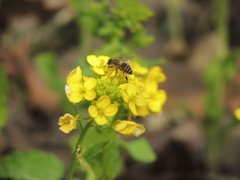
{"points": [[114, 91]]}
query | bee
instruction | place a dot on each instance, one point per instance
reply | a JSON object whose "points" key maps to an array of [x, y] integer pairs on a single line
{"points": [[121, 64]]}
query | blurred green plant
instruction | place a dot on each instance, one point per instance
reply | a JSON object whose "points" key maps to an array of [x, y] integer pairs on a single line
{"points": [[3, 97], [216, 77], [32, 165]]}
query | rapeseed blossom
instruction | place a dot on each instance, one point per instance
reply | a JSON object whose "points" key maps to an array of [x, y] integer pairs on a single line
{"points": [[102, 109], [114, 94], [79, 88], [68, 123], [128, 128]]}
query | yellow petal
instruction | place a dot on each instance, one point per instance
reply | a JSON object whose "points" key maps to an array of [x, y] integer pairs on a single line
{"points": [[140, 100], [90, 83], [75, 76], [124, 127], [131, 89], [118, 125], [65, 119], [161, 96], [92, 110], [237, 113], [67, 123], [110, 110], [93, 60], [151, 86], [90, 95], [155, 74], [75, 97], [103, 59], [155, 107], [101, 120], [133, 109], [103, 102], [65, 128], [137, 69], [143, 111], [98, 70], [125, 96]]}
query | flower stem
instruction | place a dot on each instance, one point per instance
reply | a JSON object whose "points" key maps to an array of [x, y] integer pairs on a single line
{"points": [[79, 144], [79, 122]]}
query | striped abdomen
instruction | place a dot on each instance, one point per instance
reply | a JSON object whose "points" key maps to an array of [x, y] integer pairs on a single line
{"points": [[126, 68]]}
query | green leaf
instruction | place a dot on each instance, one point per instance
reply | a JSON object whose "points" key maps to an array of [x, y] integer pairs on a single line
{"points": [[140, 150], [112, 161], [104, 159], [97, 136], [3, 97], [31, 165]]}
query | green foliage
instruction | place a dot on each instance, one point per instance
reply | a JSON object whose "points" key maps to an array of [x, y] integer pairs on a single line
{"points": [[119, 27], [140, 150], [130, 14], [106, 164], [101, 151], [98, 135], [3, 97], [216, 76], [32, 165]]}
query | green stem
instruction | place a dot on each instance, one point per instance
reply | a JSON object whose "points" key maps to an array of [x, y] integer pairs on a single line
{"points": [[79, 144], [79, 122]]}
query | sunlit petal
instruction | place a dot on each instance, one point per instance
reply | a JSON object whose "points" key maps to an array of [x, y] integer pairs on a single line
{"points": [[90, 95], [75, 97], [90, 83], [131, 89], [103, 59], [140, 100], [133, 109], [75, 76], [110, 110], [93, 60], [98, 70], [103, 102], [101, 120], [92, 110]]}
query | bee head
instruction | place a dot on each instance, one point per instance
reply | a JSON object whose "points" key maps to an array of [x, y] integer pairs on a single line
{"points": [[110, 61]]}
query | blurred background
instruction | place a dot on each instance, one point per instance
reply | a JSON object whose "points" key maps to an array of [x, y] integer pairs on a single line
{"points": [[196, 42]]}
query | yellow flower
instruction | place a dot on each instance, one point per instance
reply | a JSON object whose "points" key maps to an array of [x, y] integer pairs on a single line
{"points": [[139, 84], [237, 113], [129, 128], [156, 97], [77, 89], [137, 69], [67, 123], [98, 64], [132, 98], [102, 109], [156, 74]]}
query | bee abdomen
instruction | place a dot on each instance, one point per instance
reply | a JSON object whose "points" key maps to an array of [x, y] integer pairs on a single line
{"points": [[126, 68]]}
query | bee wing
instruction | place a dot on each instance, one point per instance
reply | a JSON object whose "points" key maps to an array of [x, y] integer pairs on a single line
{"points": [[127, 59]]}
